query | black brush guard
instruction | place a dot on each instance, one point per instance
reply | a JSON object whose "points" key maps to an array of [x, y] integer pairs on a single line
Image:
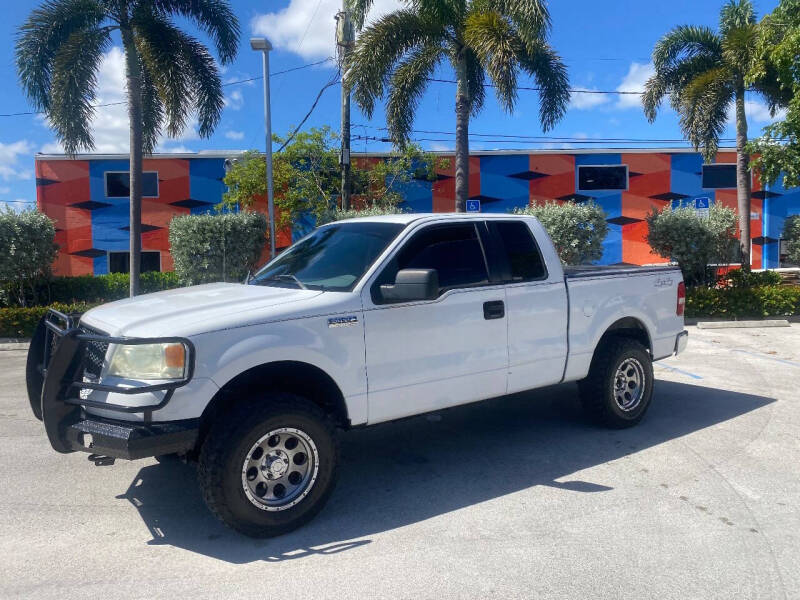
{"points": [[60, 354]]}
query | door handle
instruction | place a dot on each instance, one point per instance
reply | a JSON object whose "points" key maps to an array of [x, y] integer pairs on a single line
{"points": [[494, 309]]}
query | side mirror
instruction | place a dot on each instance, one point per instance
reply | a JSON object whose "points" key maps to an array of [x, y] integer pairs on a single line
{"points": [[411, 285]]}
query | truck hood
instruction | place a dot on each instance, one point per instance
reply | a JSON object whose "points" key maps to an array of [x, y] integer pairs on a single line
{"points": [[192, 310]]}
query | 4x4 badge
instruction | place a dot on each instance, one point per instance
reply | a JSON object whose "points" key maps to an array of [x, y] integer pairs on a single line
{"points": [[342, 321]]}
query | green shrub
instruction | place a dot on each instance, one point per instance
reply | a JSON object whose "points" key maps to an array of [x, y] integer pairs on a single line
{"points": [[743, 278], [27, 250], [693, 241], [92, 288], [355, 213], [21, 322], [577, 230], [219, 247], [764, 301], [791, 233]]}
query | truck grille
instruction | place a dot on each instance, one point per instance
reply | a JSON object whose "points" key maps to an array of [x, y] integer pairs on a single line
{"points": [[94, 353]]}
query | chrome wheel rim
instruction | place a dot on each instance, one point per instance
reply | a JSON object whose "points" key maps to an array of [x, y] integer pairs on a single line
{"points": [[280, 469], [629, 384]]}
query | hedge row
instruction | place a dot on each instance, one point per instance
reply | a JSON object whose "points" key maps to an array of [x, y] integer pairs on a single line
{"points": [[20, 322], [95, 288], [764, 301]]}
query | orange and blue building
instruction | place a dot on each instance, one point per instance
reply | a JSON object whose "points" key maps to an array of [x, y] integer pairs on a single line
{"points": [[87, 197]]}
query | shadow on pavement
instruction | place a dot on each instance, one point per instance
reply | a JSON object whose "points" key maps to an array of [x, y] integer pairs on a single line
{"points": [[401, 473]]}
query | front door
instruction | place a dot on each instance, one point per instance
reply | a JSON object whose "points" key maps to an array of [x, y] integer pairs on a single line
{"points": [[422, 356]]}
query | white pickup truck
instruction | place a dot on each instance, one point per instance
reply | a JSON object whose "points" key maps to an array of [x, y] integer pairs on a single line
{"points": [[360, 322]]}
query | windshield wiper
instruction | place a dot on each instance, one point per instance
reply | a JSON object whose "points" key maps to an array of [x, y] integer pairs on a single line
{"points": [[287, 276]]}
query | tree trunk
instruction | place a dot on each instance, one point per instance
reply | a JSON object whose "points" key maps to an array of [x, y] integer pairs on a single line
{"points": [[134, 82], [462, 134], [743, 184]]}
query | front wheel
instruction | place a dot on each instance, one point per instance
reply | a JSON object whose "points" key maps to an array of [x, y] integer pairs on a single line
{"points": [[270, 466], [618, 390]]}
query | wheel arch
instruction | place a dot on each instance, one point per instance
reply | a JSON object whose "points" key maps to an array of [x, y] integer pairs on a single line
{"points": [[279, 376], [629, 327]]}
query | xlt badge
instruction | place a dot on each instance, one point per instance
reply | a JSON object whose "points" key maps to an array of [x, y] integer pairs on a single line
{"points": [[342, 321]]}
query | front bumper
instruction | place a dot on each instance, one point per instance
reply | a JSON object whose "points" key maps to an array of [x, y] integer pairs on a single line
{"points": [[680, 342], [58, 359]]}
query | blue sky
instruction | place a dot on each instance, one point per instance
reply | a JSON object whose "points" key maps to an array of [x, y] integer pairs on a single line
{"points": [[606, 46]]}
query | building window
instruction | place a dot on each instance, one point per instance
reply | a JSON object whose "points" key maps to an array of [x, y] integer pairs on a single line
{"points": [[719, 176], [118, 184], [119, 262], [602, 177]]}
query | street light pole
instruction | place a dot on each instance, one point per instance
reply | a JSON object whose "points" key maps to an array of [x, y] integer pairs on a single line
{"points": [[264, 46]]}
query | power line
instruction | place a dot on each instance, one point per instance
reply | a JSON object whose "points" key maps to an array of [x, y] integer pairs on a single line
{"points": [[237, 82], [333, 81]]}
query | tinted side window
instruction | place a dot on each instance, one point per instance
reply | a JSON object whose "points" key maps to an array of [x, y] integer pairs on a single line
{"points": [[453, 250], [524, 259]]}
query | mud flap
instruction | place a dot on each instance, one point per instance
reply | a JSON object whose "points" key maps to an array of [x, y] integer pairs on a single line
{"points": [[34, 368]]}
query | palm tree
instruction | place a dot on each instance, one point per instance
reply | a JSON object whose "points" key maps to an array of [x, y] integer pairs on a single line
{"points": [[170, 74], [703, 72], [498, 38]]}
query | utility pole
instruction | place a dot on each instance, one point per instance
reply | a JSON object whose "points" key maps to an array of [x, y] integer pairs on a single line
{"points": [[345, 38]]}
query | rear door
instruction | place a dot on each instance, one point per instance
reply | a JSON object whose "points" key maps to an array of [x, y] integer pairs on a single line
{"points": [[427, 355], [536, 302]]}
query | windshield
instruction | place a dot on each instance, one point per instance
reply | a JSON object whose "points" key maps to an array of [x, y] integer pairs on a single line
{"points": [[331, 258]]}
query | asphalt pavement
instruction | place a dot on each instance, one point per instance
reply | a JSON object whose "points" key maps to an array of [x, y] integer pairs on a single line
{"points": [[517, 497]]}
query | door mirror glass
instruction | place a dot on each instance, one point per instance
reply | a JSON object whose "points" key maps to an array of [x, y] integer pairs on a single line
{"points": [[412, 285]]}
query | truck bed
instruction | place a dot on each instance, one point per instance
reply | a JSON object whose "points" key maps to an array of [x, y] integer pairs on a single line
{"points": [[576, 272]]}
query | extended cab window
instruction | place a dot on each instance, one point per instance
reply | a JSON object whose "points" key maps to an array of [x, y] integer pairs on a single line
{"points": [[524, 259], [453, 250]]}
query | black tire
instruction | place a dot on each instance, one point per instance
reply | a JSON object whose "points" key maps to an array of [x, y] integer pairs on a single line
{"points": [[228, 445], [601, 399]]}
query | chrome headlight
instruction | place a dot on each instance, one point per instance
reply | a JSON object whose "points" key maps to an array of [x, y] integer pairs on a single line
{"points": [[148, 361]]}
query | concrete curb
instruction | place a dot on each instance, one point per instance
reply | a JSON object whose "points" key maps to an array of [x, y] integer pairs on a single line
{"points": [[742, 324], [697, 320]]}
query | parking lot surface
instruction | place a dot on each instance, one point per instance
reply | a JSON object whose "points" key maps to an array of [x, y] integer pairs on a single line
{"points": [[517, 497]]}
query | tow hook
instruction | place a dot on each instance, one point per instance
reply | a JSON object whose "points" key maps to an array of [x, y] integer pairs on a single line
{"points": [[101, 460]]}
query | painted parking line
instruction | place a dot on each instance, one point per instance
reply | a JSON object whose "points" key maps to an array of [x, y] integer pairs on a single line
{"points": [[677, 370], [766, 357]]}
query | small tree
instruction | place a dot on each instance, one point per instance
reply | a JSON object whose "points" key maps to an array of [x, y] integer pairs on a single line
{"points": [[577, 230], [27, 250], [791, 233], [692, 240], [208, 248], [307, 178]]}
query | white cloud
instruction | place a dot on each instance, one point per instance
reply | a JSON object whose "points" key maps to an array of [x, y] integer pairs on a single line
{"points": [[307, 27], [10, 154], [441, 147], [581, 100], [756, 111], [234, 135], [234, 100], [175, 149], [634, 81]]}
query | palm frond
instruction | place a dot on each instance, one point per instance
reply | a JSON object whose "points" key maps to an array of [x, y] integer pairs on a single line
{"points": [[74, 81], [550, 73], [407, 85], [671, 79], [685, 41], [736, 14], [358, 10], [703, 112], [475, 80], [215, 17], [495, 43], [738, 47], [379, 48], [40, 37], [152, 110], [531, 18]]}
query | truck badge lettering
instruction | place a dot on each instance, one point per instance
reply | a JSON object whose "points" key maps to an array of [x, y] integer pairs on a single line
{"points": [[342, 321], [663, 282]]}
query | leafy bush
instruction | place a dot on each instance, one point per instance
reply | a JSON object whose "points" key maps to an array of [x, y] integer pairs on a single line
{"points": [[693, 241], [744, 278], [763, 301], [354, 213], [791, 233], [27, 250], [20, 322], [221, 247], [577, 230]]}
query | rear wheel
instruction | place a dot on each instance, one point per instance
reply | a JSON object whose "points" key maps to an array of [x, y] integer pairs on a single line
{"points": [[270, 466], [618, 390]]}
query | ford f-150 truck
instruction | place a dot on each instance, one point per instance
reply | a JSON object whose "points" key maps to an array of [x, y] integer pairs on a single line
{"points": [[360, 322]]}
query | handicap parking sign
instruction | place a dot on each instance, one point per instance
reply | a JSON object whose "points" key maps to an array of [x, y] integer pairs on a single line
{"points": [[473, 206], [700, 203]]}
